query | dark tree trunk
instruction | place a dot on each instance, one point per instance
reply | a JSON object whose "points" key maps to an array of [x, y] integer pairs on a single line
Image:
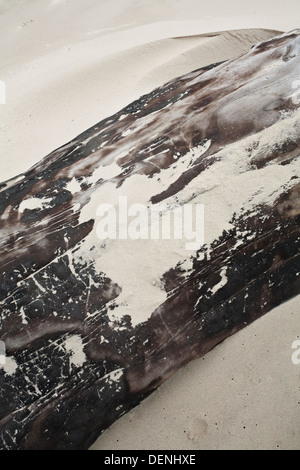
{"points": [[75, 362]]}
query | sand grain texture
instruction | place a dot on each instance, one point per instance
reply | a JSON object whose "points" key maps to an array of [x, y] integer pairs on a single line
{"points": [[120, 318]]}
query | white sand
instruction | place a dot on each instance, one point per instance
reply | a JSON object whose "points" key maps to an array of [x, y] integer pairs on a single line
{"points": [[66, 65], [145, 261], [244, 394]]}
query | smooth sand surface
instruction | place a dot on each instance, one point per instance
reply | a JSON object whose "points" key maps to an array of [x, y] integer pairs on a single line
{"points": [[68, 64], [244, 394]]}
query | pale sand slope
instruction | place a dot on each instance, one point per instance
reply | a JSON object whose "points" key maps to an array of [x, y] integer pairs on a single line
{"points": [[66, 65], [244, 394], [54, 97]]}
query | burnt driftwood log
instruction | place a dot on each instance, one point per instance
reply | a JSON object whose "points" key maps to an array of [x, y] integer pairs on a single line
{"points": [[88, 326]]}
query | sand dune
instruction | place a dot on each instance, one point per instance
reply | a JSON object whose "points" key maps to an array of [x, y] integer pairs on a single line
{"points": [[66, 65], [241, 395], [57, 94]]}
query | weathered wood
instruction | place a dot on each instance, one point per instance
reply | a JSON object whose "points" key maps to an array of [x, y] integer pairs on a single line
{"points": [[74, 361]]}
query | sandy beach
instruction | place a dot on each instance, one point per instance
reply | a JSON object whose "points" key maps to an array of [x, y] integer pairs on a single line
{"points": [[68, 64]]}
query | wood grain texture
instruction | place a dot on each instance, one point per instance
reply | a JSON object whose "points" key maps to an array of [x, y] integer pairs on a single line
{"points": [[53, 294]]}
